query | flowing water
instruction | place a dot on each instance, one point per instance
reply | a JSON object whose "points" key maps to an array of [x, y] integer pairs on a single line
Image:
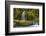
{"points": [[23, 15]]}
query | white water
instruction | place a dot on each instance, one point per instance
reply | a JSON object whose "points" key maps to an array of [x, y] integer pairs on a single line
{"points": [[23, 16]]}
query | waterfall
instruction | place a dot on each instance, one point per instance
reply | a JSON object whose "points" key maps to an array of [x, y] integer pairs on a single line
{"points": [[23, 15]]}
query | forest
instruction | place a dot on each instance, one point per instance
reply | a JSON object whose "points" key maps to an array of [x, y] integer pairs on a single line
{"points": [[24, 16]]}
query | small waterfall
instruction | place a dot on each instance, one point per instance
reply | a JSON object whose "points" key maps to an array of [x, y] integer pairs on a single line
{"points": [[23, 15]]}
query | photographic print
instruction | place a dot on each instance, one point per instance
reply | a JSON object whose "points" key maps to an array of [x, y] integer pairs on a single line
{"points": [[24, 17]]}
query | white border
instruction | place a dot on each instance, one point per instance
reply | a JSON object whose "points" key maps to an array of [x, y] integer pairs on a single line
{"points": [[38, 28]]}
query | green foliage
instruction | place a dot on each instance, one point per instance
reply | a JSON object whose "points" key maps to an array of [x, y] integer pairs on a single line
{"points": [[17, 13], [31, 15]]}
